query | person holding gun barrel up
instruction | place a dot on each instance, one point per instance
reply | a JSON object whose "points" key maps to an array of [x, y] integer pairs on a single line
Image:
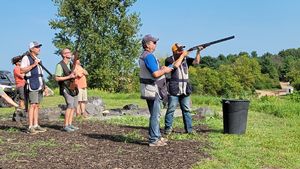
{"points": [[153, 86], [65, 76], [180, 88], [30, 65]]}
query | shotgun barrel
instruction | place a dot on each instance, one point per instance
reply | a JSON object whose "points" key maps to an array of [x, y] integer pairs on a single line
{"points": [[210, 43]]}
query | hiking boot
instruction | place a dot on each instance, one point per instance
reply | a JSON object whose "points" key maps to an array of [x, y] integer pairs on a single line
{"points": [[31, 130], [158, 143], [39, 129], [68, 129], [18, 115], [73, 127]]}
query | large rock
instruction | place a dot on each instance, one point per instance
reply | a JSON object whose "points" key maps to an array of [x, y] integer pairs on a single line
{"points": [[205, 112], [95, 106], [130, 109], [50, 114]]}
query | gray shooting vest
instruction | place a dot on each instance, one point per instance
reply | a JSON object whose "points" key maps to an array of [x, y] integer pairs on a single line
{"points": [[151, 87], [179, 80]]}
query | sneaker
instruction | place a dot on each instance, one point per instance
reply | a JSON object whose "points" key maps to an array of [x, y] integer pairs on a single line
{"points": [[73, 127], [31, 130], [68, 129], [168, 131], [85, 115], [40, 129], [163, 139], [158, 143]]}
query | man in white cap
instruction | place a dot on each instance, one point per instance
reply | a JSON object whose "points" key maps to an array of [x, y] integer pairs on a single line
{"points": [[34, 85]]}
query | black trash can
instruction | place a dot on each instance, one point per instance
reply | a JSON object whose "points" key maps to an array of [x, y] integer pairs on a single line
{"points": [[235, 114]]}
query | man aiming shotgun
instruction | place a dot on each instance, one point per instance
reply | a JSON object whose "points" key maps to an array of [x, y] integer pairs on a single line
{"points": [[179, 88]]}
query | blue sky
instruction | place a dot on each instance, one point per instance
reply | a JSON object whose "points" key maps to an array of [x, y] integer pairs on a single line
{"points": [[258, 25]]}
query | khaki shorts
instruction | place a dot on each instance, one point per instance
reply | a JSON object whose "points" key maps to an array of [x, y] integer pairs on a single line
{"points": [[71, 101], [20, 91], [82, 95], [35, 96]]}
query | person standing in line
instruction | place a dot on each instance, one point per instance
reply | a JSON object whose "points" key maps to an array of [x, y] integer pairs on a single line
{"points": [[152, 86], [34, 85], [180, 88], [20, 81], [80, 80], [64, 76]]}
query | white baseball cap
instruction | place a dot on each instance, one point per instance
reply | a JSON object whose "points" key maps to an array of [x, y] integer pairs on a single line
{"points": [[34, 44]]}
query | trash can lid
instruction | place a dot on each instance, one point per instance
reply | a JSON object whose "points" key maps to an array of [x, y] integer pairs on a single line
{"points": [[234, 100]]}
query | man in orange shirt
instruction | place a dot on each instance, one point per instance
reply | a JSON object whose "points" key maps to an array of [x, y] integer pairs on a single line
{"points": [[20, 81], [80, 80]]}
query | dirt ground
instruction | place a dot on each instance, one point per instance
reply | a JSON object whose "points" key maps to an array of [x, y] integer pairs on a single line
{"points": [[95, 145]]}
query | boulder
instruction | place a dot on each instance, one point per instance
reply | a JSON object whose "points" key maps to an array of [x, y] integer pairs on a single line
{"points": [[95, 106], [204, 112]]}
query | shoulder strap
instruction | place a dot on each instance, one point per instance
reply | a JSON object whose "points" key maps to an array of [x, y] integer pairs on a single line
{"points": [[30, 59], [65, 68]]}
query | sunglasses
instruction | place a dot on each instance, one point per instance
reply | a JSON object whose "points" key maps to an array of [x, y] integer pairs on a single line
{"points": [[154, 43]]}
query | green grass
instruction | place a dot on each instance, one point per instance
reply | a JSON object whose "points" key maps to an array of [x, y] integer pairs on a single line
{"points": [[271, 139], [118, 100], [77, 147], [269, 142], [278, 106], [12, 130], [29, 149], [6, 112]]}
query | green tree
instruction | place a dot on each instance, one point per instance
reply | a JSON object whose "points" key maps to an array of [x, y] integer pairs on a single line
{"points": [[205, 81], [254, 54], [106, 36], [248, 71], [230, 85], [268, 67], [208, 61], [294, 74]]}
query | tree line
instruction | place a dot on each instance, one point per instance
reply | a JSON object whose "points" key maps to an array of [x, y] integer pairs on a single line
{"points": [[240, 74], [106, 35]]}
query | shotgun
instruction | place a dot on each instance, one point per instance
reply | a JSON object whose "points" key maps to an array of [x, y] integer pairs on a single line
{"points": [[210, 43]]}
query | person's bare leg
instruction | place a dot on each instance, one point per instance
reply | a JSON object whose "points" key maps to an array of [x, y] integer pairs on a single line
{"points": [[9, 100], [71, 116], [82, 105], [67, 116], [78, 110], [21, 104], [36, 115], [30, 114]]}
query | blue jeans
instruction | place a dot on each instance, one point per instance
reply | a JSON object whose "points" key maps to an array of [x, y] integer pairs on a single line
{"points": [[184, 102], [154, 109]]}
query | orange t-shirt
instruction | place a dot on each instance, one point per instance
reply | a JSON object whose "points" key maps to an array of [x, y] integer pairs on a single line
{"points": [[80, 78], [20, 82]]}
